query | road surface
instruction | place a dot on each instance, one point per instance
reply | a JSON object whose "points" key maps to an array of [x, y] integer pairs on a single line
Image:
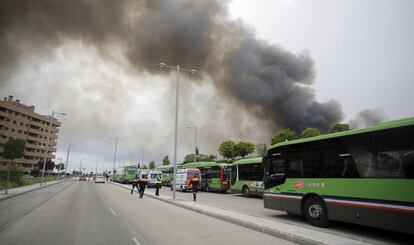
{"points": [[89, 213]]}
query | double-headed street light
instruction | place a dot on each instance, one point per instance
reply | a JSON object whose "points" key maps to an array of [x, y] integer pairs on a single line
{"points": [[195, 141], [178, 69], [48, 142]]}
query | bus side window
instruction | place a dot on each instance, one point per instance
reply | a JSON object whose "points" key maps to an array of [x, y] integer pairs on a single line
{"points": [[338, 162], [396, 152]]}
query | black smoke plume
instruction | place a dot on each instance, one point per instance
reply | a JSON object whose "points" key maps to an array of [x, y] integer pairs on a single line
{"points": [[268, 81]]}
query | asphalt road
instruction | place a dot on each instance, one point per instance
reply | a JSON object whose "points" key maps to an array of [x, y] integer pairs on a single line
{"points": [[254, 206], [89, 213]]}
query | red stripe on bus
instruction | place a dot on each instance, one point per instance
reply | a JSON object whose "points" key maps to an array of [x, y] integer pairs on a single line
{"points": [[370, 206]]}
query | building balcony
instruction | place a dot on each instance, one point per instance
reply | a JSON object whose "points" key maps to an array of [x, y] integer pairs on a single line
{"points": [[33, 146], [40, 125]]}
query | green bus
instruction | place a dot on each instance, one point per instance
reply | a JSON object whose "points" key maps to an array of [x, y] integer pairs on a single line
{"points": [[214, 176], [167, 174], [125, 174], [362, 176], [247, 176]]}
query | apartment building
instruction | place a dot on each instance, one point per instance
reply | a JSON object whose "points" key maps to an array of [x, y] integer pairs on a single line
{"points": [[18, 121]]}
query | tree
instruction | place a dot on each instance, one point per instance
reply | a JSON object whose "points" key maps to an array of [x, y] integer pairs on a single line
{"points": [[243, 148], [310, 132], [60, 166], [226, 149], [339, 127], [49, 165], [211, 158], [165, 160], [197, 152], [261, 149], [283, 135], [13, 149], [151, 165]]}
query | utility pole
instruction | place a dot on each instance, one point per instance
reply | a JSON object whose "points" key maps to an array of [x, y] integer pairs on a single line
{"points": [[116, 146], [67, 160]]}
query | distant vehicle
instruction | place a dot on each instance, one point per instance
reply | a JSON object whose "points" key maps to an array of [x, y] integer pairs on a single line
{"points": [[82, 178], [152, 177], [99, 179], [183, 178], [247, 176], [214, 176], [362, 176], [125, 174], [167, 174]]}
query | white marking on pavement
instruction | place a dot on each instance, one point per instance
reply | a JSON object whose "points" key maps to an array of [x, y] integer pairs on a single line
{"points": [[136, 241], [112, 211]]}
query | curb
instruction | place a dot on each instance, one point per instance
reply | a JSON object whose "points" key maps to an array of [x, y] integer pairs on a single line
{"points": [[276, 233], [21, 193]]}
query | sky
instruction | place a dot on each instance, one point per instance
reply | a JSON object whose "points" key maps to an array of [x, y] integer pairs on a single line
{"points": [[261, 66]]}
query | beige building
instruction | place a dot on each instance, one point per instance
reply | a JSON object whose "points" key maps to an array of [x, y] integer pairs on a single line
{"points": [[18, 121]]}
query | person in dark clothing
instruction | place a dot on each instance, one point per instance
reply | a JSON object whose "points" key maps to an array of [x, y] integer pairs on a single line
{"points": [[135, 184], [194, 182], [142, 183], [158, 181]]}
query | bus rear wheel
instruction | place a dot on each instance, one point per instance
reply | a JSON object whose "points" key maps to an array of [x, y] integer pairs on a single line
{"points": [[246, 191], [315, 212]]}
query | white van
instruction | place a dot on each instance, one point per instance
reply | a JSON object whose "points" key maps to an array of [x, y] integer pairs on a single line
{"points": [[183, 178], [152, 177]]}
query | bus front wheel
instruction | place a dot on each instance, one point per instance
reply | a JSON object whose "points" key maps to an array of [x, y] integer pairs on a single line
{"points": [[246, 191], [315, 212]]}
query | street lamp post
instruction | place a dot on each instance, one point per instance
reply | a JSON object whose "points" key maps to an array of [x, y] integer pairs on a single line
{"points": [[116, 146], [178, 69], [48, 142], [96, 169], [195, 142], [67, 160]]}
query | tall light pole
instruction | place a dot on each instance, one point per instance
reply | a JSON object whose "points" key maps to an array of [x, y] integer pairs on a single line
{"points": [[178, 69], [116, 146], [195, 142], [96, 169], [67, 160], [60, 166], [48, 142]]}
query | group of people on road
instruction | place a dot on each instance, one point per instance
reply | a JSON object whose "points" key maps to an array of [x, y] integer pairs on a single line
{"points": [[141, 183]]}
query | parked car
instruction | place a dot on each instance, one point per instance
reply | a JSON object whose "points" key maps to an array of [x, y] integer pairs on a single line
{"points": [[82, 178], [99, 179]]}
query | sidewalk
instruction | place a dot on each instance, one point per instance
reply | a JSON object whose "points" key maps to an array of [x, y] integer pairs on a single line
{"points": [[278, 229], [23, 189]]}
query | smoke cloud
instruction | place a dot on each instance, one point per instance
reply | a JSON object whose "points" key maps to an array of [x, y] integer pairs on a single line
{"points": [[251, 87], [368, 117]]}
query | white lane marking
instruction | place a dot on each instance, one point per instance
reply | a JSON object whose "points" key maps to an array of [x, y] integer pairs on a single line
{"points": [[112, 211], [136, 241]]}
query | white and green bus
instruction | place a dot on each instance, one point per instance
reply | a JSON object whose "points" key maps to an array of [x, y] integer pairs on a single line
{"points": [[362, 176], [247, 176]]}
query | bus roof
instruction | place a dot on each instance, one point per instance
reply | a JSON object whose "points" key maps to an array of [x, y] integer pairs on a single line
{"points": [[249, 160], [164, 166], [379, 126], [201, 164]]}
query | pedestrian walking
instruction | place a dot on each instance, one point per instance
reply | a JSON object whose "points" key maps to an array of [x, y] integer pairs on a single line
{"points": [[135, 184], [194, 182], [158, 181], [142, 183]]}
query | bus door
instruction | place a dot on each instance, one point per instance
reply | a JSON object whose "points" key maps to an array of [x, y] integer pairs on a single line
{"points": [[233, 173]]}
